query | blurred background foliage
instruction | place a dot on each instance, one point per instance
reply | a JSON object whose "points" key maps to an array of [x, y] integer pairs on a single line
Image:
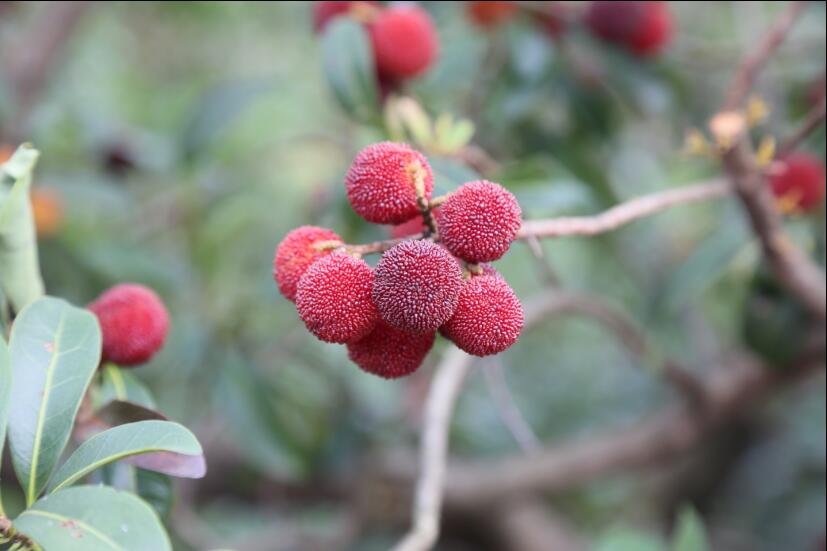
{"points": [[182, 140]]}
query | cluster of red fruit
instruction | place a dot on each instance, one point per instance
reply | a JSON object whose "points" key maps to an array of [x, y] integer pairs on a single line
{"points": [[134, 324], [437, 280], [642, 28], [404, 40]]}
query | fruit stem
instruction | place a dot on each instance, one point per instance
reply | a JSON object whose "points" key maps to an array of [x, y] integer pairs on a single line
{"points": [[418, 173]]}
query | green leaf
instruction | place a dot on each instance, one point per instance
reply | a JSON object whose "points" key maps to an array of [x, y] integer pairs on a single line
{"points": [[119, 384], [55, 349], [5, 394], [93, 518], [625, 539], [156, 489], [20, 278], [690, 534], [348, 65], [126, 441]]}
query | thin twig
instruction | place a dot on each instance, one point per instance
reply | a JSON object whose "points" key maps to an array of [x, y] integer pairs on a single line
{"points": [[510, 414], [751, 66], [434, 450], [624, 213], [814, 119]]}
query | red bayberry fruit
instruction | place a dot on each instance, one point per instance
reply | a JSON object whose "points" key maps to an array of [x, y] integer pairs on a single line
{"points": [[644, 28], [479, 221], [334, 298], [390, 352], [134, 323], [296, 253], [381, 183], [324, 12], [490, 14], [405, 42], [488, 318], [417, 286], [798, 182]]}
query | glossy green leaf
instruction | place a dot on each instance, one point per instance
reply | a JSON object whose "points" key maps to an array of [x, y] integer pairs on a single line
{"points": [[690, 533], [119, 384], [348, 64], [125, 441], [55, 349], [20, 278], [93, 518]]}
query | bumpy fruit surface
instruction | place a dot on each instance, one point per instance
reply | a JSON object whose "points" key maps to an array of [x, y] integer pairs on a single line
{"points": [[382, 181], [479, 221], [490, 14], [644, 28], [417, 286], [488, 318], [324, 12], [334, 298], [134, 324], [390, 352], [405, 42], [296, 253], [798, 182]]}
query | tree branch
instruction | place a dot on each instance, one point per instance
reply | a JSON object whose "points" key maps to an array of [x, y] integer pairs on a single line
{"points": [[813, 120], [624, 213], [433, 451], [751, 66]]}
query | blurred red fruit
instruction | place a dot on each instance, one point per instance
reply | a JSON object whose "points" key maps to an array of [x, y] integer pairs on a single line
{"points": [[134, 324], [644, 28], [490, 14], [798, 182], [405, 42]]}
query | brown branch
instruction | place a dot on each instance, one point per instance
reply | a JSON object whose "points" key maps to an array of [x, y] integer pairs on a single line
{"points": [[799, 275], [813, 120], [751, 66], [526, 524], [439, 409], [624, 213], [803, 278]]}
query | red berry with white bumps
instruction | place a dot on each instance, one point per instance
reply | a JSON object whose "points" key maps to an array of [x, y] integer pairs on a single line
{"points": [[478, 222], [417, 286], [798, 182], [297, 252], [405, 41], [488, 318], [382, 183], [390, 352], [134, 324], [334, 298]]}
